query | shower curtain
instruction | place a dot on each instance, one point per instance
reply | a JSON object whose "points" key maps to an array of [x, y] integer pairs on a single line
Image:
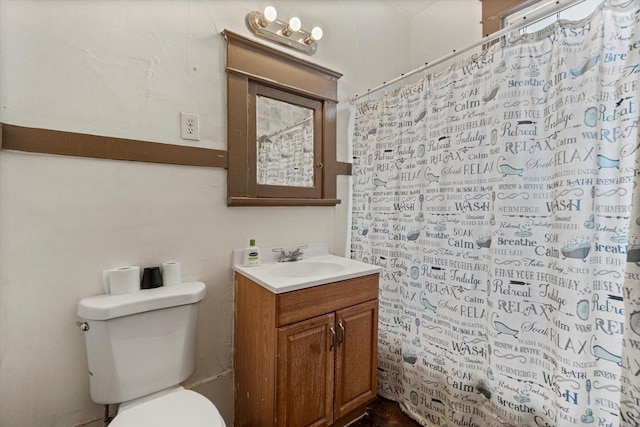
{"points": [[501, 199]]}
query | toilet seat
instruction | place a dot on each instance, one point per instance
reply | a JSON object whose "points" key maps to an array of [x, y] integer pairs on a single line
{"points": [[177, 407]]}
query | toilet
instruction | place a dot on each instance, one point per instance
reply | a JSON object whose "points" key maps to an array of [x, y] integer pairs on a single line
{"points": [[140, 347]]}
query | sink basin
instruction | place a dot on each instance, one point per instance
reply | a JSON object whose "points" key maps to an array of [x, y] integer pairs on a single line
{"points": [[317, 268], [306, 268]]}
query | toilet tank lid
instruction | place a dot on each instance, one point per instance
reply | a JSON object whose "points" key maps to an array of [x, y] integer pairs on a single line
{"points": [[105, 307]]}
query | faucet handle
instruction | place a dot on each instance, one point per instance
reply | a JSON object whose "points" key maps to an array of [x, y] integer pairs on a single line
{"points": [[297, 254], [283, 254]]}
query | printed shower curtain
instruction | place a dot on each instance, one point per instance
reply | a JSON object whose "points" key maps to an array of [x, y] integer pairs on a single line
{"points": [[500, 197]]}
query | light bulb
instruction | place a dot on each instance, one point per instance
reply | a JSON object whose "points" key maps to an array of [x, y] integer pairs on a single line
{"points": [[314, 36], [316, 33], [270, 13], [295, 24]]}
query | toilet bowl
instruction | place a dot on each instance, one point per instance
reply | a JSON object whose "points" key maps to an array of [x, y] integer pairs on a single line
{"points": [[175, 407]]}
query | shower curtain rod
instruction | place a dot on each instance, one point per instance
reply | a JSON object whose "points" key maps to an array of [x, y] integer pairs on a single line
{"points": [[288, 127], [543, 13]]}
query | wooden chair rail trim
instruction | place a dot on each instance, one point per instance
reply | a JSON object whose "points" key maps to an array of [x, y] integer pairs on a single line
{"points": [[49, 141], [343, 168]]}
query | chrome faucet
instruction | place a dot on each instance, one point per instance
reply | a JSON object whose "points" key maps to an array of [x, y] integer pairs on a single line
{"points": [[295, 255]]}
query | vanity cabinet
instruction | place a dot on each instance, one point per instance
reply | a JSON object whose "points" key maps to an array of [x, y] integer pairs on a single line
{"points": [[306, 357]]}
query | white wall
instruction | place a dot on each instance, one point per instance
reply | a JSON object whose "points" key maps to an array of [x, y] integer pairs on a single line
{"points": [[126, 69], [443, 27]]}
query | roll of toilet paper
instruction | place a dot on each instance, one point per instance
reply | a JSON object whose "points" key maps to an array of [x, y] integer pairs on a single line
{"points": [[171, 274], [121, 280]]}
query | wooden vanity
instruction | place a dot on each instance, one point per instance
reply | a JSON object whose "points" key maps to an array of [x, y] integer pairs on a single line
{"points": [[307, 357]]}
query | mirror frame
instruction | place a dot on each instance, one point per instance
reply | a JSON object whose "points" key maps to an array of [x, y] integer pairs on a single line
{"points": [[251, 68]]}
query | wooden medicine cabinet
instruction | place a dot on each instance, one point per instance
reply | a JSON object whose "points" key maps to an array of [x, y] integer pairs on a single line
{"points": [[281, 127]]}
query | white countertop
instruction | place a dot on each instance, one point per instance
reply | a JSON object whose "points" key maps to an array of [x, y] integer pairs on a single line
{"points": [[267, 274]]}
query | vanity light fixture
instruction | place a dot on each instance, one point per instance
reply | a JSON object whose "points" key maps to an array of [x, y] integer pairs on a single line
{"points": [[265, 24]]}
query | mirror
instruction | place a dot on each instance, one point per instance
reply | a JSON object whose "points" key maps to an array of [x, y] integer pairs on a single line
{"points": [[281, 127], [285, 143], [282, 169]]}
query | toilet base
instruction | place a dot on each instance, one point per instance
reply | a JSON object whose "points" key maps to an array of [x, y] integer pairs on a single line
{"points": [[169, 408]]}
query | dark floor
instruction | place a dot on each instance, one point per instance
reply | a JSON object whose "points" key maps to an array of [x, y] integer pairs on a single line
{"points": [[384, 413]]}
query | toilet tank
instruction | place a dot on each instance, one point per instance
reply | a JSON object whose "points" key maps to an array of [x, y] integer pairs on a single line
{"points": [[141, 342]]}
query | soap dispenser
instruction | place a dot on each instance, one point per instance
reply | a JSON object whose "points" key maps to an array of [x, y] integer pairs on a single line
{"points": [[252, 254]]}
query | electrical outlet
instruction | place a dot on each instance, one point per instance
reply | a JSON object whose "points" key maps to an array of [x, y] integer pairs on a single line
{"points": [[189, 128]]}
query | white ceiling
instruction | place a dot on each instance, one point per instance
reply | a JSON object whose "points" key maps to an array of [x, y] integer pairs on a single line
{"points": [[412, 7]]}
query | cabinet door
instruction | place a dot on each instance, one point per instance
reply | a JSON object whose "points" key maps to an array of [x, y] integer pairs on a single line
{"points": [[305, 373], [356, 356]]}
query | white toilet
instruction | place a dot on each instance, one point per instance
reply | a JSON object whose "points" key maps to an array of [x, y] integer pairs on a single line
{"points": [[140, 347]]}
